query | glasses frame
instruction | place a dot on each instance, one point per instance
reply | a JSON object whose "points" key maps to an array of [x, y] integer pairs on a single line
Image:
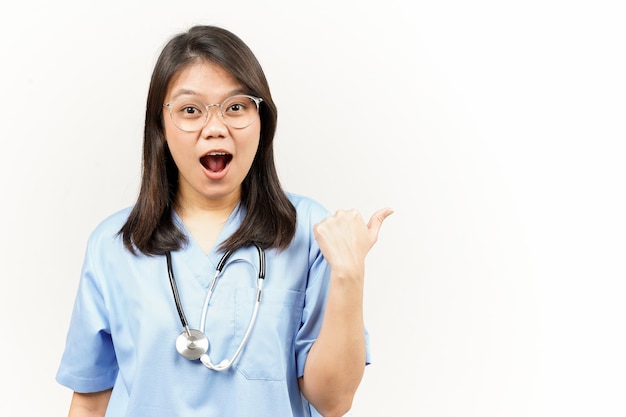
{"points": [[256, 100]]}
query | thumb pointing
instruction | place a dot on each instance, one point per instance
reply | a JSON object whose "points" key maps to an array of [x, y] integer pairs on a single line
{"points": [[376, 221]]}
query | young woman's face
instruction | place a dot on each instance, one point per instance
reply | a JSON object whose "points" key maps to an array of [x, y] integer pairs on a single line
{"points": [[212, 162]]}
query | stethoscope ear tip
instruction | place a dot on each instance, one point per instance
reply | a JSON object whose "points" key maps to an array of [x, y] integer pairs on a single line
{"points": [[204, 358]]}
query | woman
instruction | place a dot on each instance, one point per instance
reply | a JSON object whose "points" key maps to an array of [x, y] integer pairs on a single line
{"points": [[285, 312]]}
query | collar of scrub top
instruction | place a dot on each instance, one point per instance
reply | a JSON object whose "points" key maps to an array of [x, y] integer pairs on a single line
{"points": [[194, 344]]}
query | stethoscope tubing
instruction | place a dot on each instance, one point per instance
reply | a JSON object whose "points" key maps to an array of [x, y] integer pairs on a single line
{"points": [[191, 334], [179, 306], [225, 364]]}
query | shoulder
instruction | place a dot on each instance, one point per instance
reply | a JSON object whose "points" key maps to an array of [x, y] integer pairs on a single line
{"points": [[307, 208], [309, 212], [107, 231]]}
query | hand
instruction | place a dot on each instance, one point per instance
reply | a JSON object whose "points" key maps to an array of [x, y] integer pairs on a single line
{"points": [[345, 239]]}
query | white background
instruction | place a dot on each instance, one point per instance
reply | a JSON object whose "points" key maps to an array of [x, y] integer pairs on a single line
{"points": [[494, 129]]}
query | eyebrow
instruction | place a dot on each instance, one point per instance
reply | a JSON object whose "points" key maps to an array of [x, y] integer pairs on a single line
{"points": [[183, 93], [186, 92]]}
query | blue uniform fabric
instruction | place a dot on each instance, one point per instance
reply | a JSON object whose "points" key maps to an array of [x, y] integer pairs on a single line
{"points": [[124, 325]]}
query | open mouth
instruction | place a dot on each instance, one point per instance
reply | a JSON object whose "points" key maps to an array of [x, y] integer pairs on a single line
{"points": [[216, 161]]}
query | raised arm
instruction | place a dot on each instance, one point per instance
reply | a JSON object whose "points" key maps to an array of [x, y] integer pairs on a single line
{"points": [[336, 362]]}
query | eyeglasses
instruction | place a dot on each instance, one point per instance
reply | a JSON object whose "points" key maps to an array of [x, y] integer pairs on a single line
{"points": [[191, 115]]}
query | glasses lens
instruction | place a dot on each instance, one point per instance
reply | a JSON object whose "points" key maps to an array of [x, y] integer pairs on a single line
{"points": [[188, 115], [239, 111]]}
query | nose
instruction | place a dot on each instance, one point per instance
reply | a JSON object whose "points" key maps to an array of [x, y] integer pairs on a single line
{"points": [[214, 126]]}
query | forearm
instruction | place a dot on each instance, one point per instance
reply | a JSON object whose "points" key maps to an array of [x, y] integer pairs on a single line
{"points": [[89, 404], [336, 362]]}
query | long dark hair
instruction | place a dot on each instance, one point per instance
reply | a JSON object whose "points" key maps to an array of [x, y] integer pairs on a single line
{"points": [[270, 218]]}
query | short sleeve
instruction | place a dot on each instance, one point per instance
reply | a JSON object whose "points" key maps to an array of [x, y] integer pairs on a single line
{"points": [[88, 363], [313, 312]]}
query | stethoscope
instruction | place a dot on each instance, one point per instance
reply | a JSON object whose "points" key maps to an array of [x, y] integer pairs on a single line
{"points": [[194, 344]]}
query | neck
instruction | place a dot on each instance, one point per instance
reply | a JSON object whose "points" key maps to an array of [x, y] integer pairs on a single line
{"points": [[206, 220], [211, 213], [190, 205]]}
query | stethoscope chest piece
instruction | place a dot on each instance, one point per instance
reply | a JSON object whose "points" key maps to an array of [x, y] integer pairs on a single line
{"points": [[192, 345]]}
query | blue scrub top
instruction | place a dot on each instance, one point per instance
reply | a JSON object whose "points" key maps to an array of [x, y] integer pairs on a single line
{"points": [[124, 325]]}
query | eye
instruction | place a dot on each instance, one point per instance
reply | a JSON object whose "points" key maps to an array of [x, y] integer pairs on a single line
{"points": [[189, 110], [236, 107]]}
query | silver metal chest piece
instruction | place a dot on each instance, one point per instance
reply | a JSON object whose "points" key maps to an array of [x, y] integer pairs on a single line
{"points": [[192, 346]]}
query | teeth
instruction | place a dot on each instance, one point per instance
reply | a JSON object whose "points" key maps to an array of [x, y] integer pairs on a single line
{"points": [[217, 154]]}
